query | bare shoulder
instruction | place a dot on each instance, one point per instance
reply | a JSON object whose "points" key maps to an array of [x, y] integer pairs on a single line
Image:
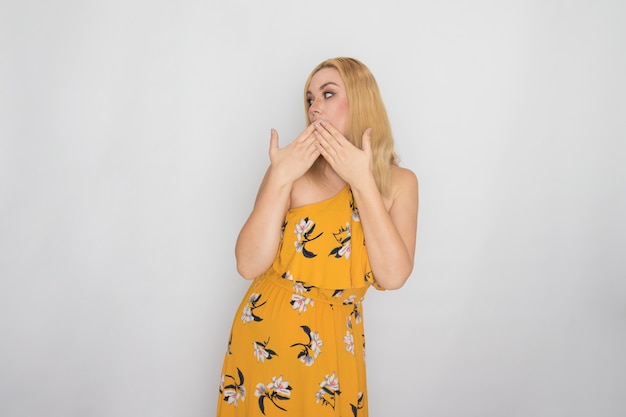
{"points": [[403, 181], [403, 188]]}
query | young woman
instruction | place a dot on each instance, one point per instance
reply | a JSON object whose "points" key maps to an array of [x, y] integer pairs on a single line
{"points": [[334, 214]]}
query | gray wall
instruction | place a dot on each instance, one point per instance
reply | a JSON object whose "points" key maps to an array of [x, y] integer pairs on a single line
{"points": [[133, 136]]}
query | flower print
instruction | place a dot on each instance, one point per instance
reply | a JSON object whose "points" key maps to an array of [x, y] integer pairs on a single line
{"points": [[300, 288], [303, 230], [331, 382], [356, 312], [234, 391], [349, 300], [261, 389], [280, 386], [319, 396], [364, 358], [329, 390], [337, 293], [300, 302], [287, 275], [343, 237], [307, 359], [302, 227], [282, 236], [261, 352], [369, 278], [311, 350], [358, 406], [345, 251], [230, 395], [247, 313], [233, 396], [316, 342], [355, 210], [277, 390], [349, 341]]}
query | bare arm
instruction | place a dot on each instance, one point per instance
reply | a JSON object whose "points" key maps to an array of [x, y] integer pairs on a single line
{"points": [[390, 233], [259, 237]]}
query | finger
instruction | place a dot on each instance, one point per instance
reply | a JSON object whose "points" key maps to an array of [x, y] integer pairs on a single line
{"points": [[315, 150], [306, 133], [311, 152], [327, 128], [326, 140], [311, 140], [309, 144], [321, 139], [273, 139], [366, 143], [324, 148]]}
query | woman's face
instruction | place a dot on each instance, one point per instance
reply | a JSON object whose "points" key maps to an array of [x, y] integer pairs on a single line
{"points": [[328, 99]]}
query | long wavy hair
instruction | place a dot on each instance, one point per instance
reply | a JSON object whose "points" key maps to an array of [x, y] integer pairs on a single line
{"points": [[365, 110]]}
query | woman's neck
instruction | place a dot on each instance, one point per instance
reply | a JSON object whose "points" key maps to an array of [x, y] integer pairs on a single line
{"points": [[326, 177]]}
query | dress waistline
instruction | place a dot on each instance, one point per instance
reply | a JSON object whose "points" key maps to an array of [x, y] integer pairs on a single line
{"points": [[344, 296]]}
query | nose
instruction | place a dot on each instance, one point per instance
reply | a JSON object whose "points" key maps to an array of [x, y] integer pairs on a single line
{"points": [[314, 109]]}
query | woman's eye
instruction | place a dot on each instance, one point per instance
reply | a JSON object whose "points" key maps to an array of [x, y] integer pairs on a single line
{"points": [[326, 95]]}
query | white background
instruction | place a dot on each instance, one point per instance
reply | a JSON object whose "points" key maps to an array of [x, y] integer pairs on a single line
{"points": [[134, 135]]}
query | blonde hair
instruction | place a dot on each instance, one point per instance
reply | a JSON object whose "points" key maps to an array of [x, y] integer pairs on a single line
{"points": [[365, 110]]}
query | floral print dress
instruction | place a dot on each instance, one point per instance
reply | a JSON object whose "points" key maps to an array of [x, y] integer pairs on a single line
{"points": [[297, 344]]}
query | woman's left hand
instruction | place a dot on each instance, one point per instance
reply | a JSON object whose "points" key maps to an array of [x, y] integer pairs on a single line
{"points": [[348, 161]]}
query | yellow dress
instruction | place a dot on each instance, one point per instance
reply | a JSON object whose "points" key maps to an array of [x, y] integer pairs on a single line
{"points": [[297, 344]]}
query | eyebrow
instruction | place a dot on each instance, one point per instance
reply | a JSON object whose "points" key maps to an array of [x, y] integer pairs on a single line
{"points": [[323, 86]]}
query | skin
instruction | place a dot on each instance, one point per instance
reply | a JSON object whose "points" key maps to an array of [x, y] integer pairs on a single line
{"points": [[389, 222]]}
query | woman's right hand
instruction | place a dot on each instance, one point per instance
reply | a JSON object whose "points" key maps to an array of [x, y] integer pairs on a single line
{"points": [[292, 161], [259, 237]]}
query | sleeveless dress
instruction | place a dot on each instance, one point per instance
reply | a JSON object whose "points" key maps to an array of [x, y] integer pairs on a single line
{"points": [[297, 344]]}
